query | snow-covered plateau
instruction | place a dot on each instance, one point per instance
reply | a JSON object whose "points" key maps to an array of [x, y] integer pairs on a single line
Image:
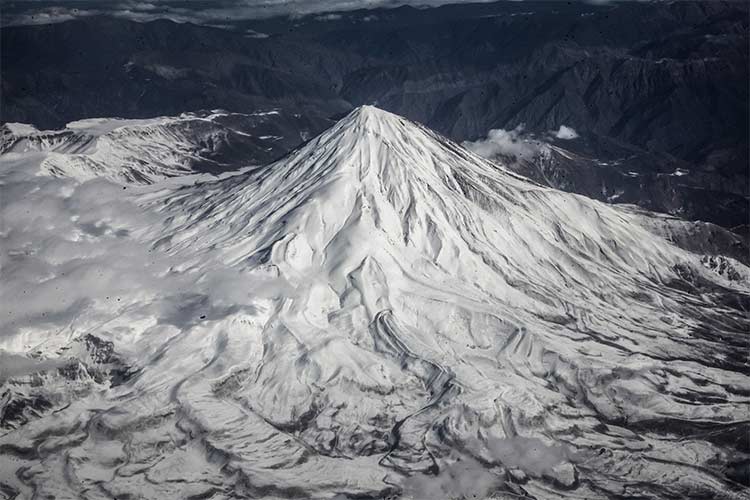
{"points": [[379, 314]]}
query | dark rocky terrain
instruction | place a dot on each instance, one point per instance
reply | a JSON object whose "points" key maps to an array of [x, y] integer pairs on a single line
{"points": [[653, 86]]}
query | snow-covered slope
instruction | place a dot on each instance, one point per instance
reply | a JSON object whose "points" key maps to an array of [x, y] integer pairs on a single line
{"points": [[147, 150], [379, 313]]}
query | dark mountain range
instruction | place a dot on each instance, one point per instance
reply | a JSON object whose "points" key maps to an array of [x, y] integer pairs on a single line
{"points": [[658, 84]]}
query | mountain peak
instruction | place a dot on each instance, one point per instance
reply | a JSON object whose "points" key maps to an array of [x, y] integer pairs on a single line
{"points": [[372, 146], [372, 118], [368, 112]]}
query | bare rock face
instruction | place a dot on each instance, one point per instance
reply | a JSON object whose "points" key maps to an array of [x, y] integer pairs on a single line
{"points": [[381, 313]]}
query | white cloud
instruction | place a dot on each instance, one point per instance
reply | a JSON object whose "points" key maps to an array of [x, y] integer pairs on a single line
{"points": [[566, 133], [329, 17], [46, 15], [500, 142], [15, 365], [71, 257], [221, 11], [462, 479], [467, 477], [530, 455]]}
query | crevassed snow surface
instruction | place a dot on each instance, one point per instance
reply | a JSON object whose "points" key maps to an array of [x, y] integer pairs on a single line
{"points": [[380, 313]]}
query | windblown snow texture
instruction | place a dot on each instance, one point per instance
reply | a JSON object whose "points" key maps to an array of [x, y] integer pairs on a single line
{"points": [[380, 313]]}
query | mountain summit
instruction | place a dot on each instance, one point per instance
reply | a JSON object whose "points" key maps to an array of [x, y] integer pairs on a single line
{"points": [[382, 312]]}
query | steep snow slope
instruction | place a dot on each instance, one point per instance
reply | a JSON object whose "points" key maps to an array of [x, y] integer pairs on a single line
{"points": [[379, 313], [144, 151]]}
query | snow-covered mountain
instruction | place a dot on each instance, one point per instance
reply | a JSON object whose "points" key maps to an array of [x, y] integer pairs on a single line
{"points": [[143, 151], [381, 313]]}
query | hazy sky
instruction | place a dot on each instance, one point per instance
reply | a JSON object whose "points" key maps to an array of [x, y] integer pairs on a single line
{"points": [[201, 11], [198, 11]]}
